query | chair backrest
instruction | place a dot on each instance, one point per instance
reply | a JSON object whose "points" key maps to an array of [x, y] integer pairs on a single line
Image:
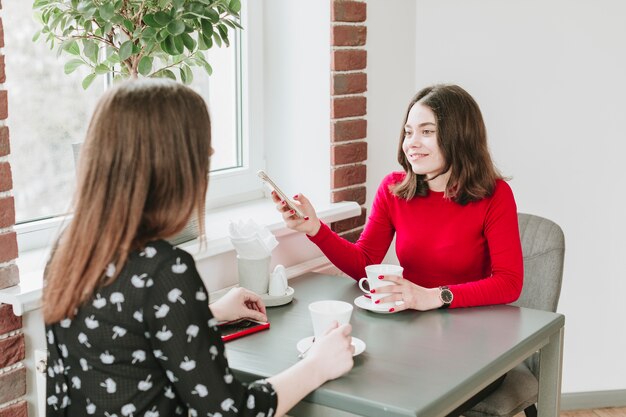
{"points": [[543, 248]]}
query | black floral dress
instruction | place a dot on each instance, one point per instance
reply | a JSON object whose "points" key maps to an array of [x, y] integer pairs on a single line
{"points": [[147, 345]]}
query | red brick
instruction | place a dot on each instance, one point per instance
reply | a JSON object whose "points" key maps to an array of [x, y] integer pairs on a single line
{"points": [[342, 35], [8, 320], [348, 59], [348, 107], [348, 154], [348, 175], [349, 224], [7, 212], [12, 385], [357, 194], [341, 130], [3, 77], [6, 180], [9, 276], [8, 246], [18, 409], [5, 147], [12, 349], [348, 11], [351, 83], [352, 236], [4, 106]]}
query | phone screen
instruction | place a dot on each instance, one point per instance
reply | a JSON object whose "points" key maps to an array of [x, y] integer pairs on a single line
{"points": [[238, 328]]}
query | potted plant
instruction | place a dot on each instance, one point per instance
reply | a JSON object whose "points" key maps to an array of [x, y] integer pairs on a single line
{"points": [[132, 38]]}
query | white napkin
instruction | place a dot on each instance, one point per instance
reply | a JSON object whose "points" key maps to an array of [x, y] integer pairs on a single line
{"points": [[251, 240]]}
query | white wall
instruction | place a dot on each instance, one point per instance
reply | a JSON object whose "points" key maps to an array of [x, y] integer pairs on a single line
{"points": [[550, 77]]}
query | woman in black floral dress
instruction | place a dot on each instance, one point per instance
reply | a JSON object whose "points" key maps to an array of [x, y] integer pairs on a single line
{"points": [[128, 328]]}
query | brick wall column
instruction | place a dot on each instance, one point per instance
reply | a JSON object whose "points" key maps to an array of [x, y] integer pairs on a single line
{"points": [[348, 130], [12, 371]]}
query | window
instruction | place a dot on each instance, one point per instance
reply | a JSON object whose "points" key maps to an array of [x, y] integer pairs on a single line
{"points": [[49, 112]]}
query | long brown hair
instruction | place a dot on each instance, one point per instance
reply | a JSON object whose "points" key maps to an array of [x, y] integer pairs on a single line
{"points": [[462, 138], [143, 172]]}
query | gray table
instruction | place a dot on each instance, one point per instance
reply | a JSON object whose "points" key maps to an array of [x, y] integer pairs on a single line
{"points": [[416, 363]]}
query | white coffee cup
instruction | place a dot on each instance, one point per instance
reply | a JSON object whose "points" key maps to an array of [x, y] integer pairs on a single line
{"points": [[373, 272], [323, 313]]}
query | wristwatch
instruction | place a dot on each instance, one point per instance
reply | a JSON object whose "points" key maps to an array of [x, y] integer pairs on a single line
{"points": [[446, 296]]}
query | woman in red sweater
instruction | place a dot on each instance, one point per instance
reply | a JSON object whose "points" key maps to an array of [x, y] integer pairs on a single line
{"points": [[453, 215]]}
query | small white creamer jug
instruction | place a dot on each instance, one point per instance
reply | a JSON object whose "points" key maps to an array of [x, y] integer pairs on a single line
{"points": [[278, 281]]}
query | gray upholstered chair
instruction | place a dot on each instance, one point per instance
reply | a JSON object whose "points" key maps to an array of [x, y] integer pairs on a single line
{"points": [[543, 247]]}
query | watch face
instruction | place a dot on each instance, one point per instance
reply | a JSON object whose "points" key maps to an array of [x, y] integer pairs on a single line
{"points": [[446, 295]]}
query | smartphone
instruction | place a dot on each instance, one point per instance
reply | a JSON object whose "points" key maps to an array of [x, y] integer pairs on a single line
{"points": [[280, 192], [238, 328]]}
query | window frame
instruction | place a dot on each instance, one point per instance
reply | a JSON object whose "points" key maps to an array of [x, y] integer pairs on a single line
{"points": [[41, 233]]}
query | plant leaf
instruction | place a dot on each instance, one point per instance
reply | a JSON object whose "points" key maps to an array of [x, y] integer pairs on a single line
{"points": [[72, 65], [126, 50], [151, 21], [145, 65], [175, 27], [234, 6], [88, 80], [71, 47], [107, 10], [102, 69], [190, 44], [162, 18]]}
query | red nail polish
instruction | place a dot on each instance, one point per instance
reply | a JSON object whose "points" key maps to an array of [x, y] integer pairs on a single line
{"points": [[296, 196], [367, 296], [380, 277], [377, 301], [391, 310], [306, 218], [372, 291], [292, 211]]}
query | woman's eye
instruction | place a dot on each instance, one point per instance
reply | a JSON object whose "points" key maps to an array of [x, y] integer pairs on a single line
{"points": [[427, 132], [407, 133]]}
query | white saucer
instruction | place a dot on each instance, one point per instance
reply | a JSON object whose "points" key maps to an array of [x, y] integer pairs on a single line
{"points": [[367, 304], [305, 344], [278, 300]]}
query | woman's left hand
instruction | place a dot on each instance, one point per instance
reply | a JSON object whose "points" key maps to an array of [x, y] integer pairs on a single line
{"points": [[239, 303], [408, 295]]}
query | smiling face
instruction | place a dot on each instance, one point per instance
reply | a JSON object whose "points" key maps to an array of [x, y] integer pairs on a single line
{"points": [[421, 147]]}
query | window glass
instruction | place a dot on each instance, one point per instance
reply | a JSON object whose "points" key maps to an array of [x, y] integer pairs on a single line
{"points": [[49, 112]]}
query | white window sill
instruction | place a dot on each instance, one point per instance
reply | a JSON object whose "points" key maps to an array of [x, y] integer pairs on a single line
{"points": [[27, 295]]}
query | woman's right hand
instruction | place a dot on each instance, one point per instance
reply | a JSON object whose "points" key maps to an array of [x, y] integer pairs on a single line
{"points": [[310, 224], [332, 353]]}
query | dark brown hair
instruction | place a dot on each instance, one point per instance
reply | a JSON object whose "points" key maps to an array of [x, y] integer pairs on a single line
{"points": [[143, 173], [462, 138]]}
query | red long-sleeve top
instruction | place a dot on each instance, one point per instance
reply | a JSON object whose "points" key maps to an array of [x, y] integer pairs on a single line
{"points": [[474, 249]]}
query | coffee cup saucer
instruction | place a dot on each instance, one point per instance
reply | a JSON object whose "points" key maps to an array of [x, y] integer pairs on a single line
{"points": [[367, 304], [305, 344], [278, 300]]}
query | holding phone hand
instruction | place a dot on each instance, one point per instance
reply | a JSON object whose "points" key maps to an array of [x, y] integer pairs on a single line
{"points": [[310, 224], [239, 303]]}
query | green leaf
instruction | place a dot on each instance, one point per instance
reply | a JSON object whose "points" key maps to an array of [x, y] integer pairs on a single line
{"points": [[175, 27], [190, 44], [151, 21], [212, 15], [217, 39], [166, 74], [188, 74], [88, 80], [148, 33], [183, 76], [145, 65], [162, 18], [205, 42], [207, 28], [130, 26], [234, 6], [36, 36], [90, 49], [126, 50], [102, 69], [107, 10], [71, 47], [72, 65], [173, 45]]}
